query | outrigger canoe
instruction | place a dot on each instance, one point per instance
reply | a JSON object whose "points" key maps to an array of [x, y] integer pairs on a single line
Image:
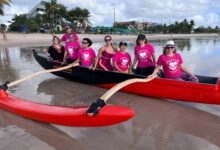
{"points": [[206, 91], [67, 116]]}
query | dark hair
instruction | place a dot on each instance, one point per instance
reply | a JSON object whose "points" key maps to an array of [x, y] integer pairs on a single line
{"points": [[56, 37], [123, 43], [68, 25], [88, 41], [71, 34], [141, 37], [108, 36]]}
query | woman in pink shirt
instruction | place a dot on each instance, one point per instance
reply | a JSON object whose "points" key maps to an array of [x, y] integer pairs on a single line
{"points": [[65, 38], [86, 55], [122, 59], [71, 50], [144, 56], [106, 52], [172, 64]]}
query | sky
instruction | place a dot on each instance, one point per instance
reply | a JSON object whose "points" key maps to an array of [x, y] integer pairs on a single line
{"points": [[203, 12]]}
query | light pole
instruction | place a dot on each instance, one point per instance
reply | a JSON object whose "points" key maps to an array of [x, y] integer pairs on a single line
{"points": [[143, 19]]}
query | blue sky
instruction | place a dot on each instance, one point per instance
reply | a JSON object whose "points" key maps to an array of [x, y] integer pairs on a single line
{"points": [[203, 12]]}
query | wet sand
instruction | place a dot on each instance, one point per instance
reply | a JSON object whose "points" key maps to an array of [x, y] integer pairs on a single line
{"points": [[158, 124], [38, 39]]}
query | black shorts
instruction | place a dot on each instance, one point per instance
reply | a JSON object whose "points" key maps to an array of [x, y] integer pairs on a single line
{"points": [[145, 71]]}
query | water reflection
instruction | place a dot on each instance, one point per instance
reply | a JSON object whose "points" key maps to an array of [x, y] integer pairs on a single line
{"points": [[30, 134], [158, 124], [7, 70]]}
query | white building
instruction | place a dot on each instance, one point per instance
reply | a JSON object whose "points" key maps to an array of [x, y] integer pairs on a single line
{"points": [[38, 9]]}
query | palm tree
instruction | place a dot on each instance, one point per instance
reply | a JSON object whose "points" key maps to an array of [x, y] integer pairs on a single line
{"points": [[54, 13], [79, 15], [2, 4]]}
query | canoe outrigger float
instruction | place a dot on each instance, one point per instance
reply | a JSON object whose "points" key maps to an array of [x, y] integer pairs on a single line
{"points": [[206, 91], [68, 116]]}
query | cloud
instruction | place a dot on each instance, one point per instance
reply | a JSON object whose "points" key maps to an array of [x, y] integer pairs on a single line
{"points": [[205, 12]]}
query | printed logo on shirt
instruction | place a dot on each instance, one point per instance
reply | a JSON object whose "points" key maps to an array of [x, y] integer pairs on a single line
{"points": [[124, 61], [142, 55], [70, 50], [67, 40], [173, 65], [86, 56]]}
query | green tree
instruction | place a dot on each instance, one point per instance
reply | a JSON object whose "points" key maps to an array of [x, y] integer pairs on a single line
{"points": [[2, 4], [79, 15], [54, 14], [18, 21]]}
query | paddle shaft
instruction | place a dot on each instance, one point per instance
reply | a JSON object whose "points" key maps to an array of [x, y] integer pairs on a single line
{"points": [[40, 72], [120, 85]]}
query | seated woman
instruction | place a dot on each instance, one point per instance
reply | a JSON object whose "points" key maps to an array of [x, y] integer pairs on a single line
{"points": [[144, 56], [172, 64], [106, 52], [122, 59], [86, 55], [71, 50], [56, 51]]}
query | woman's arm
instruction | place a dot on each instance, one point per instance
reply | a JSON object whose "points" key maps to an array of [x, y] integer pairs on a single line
{"points": [[134, 62], [185, 69], [130, 69], [116, 67], [97, 58], [156, 70], [154, 58], [65, 57]]}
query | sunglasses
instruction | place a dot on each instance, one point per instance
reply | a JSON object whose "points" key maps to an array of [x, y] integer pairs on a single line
{"points": [[169, 47], [84, 43], [108, 40], [67, 28]]}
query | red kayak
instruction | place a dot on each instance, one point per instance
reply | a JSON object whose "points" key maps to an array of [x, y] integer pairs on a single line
{"points": [[68, 116]]}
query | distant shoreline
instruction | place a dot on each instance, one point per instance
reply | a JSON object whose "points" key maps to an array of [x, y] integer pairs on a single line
{"points": [[38, 39]]}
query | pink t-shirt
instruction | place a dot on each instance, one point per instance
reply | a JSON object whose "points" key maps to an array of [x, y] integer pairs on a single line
{"points": [[86, 57], [123, 60], [65, 37], [72, 49], [171, 65], [144, 55]]}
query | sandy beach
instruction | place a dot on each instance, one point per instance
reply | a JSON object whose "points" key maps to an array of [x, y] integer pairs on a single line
{"points": [[37, 39]]}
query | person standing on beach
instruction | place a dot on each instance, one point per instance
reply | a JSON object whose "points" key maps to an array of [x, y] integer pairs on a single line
{"points": [[3, 31], [65, 37], [105, 54], [144, 56], [122, 59], [71, 50], [172, 64], [56, 51]]}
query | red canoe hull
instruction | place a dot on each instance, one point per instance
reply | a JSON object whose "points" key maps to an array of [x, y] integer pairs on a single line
{"points": [[68, 116], [176, 90]]}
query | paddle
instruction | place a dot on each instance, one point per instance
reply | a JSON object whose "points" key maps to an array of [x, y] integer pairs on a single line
{"points": [[96, 106], [7, 84]]}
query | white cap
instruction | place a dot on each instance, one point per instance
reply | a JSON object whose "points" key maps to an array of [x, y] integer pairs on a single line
{"points": [[169, 43]]}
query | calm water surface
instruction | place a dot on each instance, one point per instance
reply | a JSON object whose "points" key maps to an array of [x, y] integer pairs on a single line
{"points": [[158, 124]]}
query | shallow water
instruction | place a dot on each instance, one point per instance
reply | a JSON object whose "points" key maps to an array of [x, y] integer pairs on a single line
{"points": [[158, 124]]}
